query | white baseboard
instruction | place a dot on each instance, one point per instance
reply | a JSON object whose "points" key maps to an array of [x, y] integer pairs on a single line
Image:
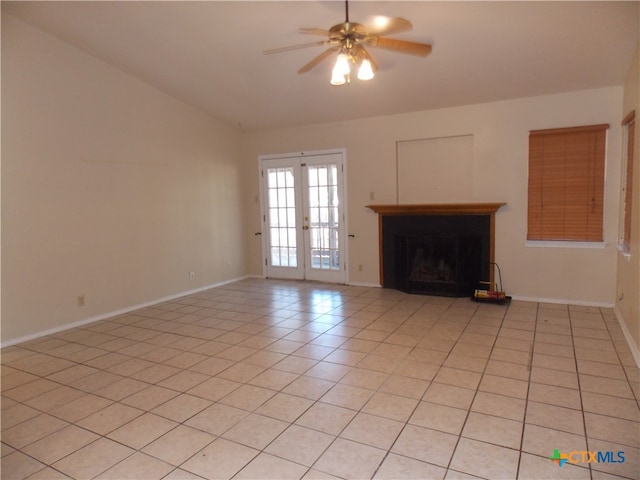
{"points": [[635, 351], [353, 284], [112, 314], [364, 284], [634, 348], [562, 301]]}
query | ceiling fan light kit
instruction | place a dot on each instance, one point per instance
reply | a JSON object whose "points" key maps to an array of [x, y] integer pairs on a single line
{"points": [[341, 72], [349, 40], [365, 72]]}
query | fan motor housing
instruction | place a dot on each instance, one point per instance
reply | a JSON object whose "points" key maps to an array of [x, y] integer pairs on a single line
{"points": [[356, 32]]}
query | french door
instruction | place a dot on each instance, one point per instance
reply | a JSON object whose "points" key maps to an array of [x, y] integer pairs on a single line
{"points": [[303, 214]]}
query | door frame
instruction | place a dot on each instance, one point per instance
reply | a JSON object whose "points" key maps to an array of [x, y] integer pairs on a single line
{"points": [[263, 213]]}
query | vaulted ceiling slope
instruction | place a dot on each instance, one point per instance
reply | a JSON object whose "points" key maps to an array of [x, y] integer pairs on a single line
{"points": [[209, 53]]}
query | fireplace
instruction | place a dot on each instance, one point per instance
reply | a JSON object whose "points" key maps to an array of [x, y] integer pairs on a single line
{"points": [[441, 249]]}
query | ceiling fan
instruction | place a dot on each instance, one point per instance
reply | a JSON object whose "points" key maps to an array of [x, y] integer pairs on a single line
{"points": [[349, 39]]}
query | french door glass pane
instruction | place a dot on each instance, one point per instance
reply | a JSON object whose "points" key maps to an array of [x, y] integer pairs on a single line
{"points": [[323, 216], [282, 216]]}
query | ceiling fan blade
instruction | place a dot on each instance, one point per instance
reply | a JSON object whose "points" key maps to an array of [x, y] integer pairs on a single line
{"points": [[294, 47], [389, 26], [402, 46], [315, 31], [318, 59]]}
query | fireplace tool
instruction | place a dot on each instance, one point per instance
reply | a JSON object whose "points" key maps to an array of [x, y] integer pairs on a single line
{"points": [[493, 294]]}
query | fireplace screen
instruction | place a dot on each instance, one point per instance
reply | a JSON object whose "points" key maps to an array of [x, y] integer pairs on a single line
{"points": [[438, 265]]}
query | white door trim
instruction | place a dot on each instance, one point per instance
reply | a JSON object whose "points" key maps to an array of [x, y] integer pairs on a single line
{"points": [[343, 200]]}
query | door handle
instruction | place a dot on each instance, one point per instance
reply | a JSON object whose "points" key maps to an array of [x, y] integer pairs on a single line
{"points": [[305, 227]]}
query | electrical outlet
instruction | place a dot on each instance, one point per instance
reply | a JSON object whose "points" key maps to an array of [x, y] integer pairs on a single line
{"points": [[192, 275], [80, 300]]}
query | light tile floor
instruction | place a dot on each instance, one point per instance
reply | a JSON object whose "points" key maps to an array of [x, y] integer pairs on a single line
{"points": [[274, 379]]}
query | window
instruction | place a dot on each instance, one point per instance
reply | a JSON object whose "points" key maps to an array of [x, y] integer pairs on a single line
{"points": [[629, 126], [566, 183]]}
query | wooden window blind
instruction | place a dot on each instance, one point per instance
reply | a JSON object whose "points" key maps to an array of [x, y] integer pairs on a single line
{"points": [[629, 124], [566, 183]]}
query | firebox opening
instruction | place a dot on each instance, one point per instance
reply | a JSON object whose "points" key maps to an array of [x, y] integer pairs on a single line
{"points": [[445, 255]]}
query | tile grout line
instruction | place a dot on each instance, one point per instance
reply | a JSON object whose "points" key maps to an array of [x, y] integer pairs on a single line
{"points": [[360, 410], [575, 360], [406, 423], [526, 400], [484, 370]]}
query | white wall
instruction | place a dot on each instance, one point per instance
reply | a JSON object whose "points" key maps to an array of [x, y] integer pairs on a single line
{"points": [[499, 174], [110, 189]]}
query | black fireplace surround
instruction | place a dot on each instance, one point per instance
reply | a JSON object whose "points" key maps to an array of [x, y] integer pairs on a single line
{"points": [[436, 249]]}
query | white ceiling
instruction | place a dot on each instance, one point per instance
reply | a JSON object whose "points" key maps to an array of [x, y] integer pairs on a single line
{"points": [[209, 53]]}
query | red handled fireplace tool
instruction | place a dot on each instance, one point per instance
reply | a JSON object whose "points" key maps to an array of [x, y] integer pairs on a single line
{"points": [[492, 294]]}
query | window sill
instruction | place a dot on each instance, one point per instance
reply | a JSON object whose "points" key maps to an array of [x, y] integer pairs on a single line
{"points": [[564, 244]]}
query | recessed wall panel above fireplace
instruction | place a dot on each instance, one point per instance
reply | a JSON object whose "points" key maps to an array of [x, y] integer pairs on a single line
{"points": [[435, 169]]}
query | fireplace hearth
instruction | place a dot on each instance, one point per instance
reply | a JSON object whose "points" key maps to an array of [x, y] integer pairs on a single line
{"points": [[444, 249]]}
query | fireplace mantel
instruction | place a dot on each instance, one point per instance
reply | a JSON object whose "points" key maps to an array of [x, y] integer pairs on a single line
{"points": [[438, 209]]}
